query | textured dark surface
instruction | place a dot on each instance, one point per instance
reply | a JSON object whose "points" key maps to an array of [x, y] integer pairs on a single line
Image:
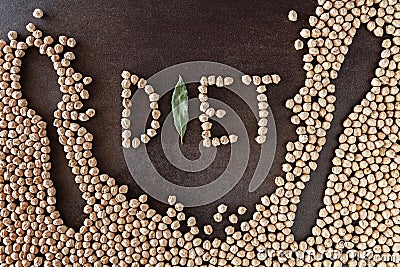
{"points": [[147, 36]]}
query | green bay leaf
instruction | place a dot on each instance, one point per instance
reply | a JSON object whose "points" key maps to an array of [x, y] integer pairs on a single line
{"points": [[180, 107]]}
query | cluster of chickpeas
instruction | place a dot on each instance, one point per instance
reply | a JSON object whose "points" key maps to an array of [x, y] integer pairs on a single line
{"points": [[361, 200]]}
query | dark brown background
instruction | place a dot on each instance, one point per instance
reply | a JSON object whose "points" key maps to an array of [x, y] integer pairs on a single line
{"points": [[147, 36]]}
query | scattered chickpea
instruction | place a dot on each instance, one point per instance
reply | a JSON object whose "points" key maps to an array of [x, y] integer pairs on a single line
{"points": [[220, 113], [217, 217], [292, 15], [222, 208], [233, 218], [172, 200], [208, 229], [242, 210], [37, 13], [71, 42], [228, 81], [298, 44], [219, 82]]}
